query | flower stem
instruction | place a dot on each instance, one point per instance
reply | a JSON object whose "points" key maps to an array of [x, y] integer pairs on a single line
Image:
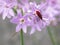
{"points": [[21, 38], [51, 36]]}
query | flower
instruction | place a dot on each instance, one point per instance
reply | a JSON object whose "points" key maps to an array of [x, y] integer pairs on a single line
{"points": [[43, 14], [53, 10], [21, 22], [37, 17], [53, 7], [6, 8]]}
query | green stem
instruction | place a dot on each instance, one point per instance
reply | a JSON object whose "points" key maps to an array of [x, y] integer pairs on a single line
{"points": [[21, 38], [51, 36]]}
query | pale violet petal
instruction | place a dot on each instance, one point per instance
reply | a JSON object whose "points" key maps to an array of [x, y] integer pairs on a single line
{"points": [[11, 12], [24, 28], [38, 28], [9, 16], [4, 14], [1, 10], [15, 20], [32, 30], [18, 28]]}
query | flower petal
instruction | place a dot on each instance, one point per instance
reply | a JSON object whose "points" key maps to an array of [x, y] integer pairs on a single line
{"points": [[24, 29], [11, 12], [1, 10], [15, 20], [4, 14], [18, 28], [32, 31], [9, 16], [38, 28]]}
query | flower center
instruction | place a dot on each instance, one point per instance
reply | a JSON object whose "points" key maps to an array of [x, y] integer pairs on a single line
{"points": [[22, 21]]}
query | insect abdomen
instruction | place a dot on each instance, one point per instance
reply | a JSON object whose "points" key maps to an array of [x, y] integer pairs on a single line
{"points": [[39, 14]]}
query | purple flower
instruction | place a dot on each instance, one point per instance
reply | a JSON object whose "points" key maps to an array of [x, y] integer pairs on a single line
{"points": [[43, 14], [37, 17], [6, 8], [21, 22], [52, 7], [51, 11]]}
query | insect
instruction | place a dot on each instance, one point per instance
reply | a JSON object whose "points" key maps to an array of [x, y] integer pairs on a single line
{"points": [[39, 14]]}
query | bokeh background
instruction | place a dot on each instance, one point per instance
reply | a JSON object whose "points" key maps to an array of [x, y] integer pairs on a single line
{"points": [[8, 36]]}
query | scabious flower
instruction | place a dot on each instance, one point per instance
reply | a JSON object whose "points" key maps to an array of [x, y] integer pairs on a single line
{"points": [[6, 8]]}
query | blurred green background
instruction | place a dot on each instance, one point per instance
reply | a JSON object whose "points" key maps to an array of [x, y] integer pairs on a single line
{"points": [[8, 36]]}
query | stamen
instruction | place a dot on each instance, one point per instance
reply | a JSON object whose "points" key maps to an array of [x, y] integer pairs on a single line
{"points": [[22, 21]]}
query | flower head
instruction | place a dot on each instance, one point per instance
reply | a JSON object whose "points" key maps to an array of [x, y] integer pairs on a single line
{"points": [[53, 7], [37, 16], [6, 8], [21, 22], [42, 13]]}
